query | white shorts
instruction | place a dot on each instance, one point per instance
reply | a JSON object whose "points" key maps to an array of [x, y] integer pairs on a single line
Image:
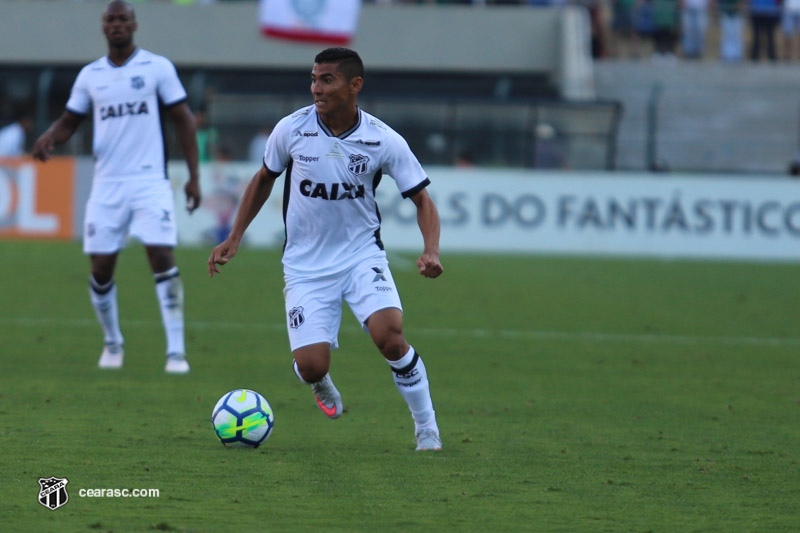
{"points": [[314, 307], [144, 209]]}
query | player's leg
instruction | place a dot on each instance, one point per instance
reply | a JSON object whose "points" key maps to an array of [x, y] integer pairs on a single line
{"points": [[169, 292], [103, 295], [313, 317], [410, 376], [372, 295], [153, 223], [104, 231], [311, 365]]}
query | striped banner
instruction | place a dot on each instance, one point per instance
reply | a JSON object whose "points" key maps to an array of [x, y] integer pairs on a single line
{"points": [[310, 21]]}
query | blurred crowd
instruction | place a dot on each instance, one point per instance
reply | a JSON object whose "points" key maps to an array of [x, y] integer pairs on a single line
{"points": [[730, 30], [664, 30]]}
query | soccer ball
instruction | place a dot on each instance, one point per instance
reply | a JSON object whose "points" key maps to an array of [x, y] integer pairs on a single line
{"points": [[242, 417]]}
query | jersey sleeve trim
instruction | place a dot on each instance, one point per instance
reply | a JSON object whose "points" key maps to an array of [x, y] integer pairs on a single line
{"points": [[74, 112], [414, 190], [272, 174], [176, 102]]}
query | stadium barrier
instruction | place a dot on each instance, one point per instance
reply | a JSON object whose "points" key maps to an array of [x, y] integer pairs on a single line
{"points": [[482, 210]]}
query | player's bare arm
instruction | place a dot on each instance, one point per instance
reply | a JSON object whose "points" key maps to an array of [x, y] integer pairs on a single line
{"points": [[255, 195], [59, 132], [186, 129], [428, 221]]}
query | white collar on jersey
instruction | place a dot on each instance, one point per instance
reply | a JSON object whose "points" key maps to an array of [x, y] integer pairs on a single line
{"points": [[113, 65], [345, 134]]}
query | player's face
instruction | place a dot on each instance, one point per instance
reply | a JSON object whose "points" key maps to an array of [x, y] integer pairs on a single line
{"points": [[119, 23], [331, 89]]}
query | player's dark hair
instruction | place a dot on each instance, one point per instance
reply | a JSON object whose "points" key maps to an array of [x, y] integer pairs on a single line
{"points": [[122, 3], [349, 61]]}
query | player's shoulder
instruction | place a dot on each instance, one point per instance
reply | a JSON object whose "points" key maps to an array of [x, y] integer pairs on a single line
{"points": [[301, 115], [147, 58], [98, 65], [296, 120], [375, 132]]}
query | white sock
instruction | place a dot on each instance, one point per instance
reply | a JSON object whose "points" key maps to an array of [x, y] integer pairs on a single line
{"points": [[169, 290], [412, 382], [104, 301]]}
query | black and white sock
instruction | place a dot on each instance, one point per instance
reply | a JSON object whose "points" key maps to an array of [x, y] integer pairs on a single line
{"points": [[169, 291], [104, 301], [411, 380]]}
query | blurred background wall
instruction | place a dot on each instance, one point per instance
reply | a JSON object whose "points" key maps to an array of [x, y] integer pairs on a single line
{"points": [[465, 84]]}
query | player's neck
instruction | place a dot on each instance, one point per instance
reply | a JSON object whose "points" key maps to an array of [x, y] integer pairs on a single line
{"points": [[341, 121], [119, 56]]}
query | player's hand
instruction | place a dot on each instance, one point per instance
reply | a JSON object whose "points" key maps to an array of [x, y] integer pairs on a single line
{"points": [[220, 255], [43, 146], [429, 265], [192, 190]]}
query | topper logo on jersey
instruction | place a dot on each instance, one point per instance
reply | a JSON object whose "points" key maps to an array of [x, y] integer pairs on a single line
{"points": [[358, 164], [331, 191], [121, 110]]}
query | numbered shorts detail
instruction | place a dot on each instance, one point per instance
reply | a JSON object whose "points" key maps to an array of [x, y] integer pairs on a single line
{"points": [[314, 307], [144, 209]]}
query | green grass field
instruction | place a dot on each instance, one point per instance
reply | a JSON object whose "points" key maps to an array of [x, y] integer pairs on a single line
{"points": [[573, 395]]}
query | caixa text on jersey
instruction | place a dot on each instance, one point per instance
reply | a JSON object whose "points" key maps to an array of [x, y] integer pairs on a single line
{"points": [[332, 191], [123, 109]]}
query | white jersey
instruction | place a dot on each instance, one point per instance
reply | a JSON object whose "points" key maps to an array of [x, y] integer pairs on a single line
{"points": [[128, 137], [332, 220]]}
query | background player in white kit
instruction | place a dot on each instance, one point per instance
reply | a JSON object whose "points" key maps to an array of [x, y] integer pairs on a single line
{"points": [[334, 155], [130, 190]]}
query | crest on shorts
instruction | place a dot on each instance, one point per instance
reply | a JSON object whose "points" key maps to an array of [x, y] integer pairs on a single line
{"points": [[296, 317], [358, 164], [137, 82], [53, 492]]}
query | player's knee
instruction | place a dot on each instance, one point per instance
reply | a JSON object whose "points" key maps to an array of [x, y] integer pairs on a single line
{"points": [[102, 267], [100, 277], [392, 344], [312, 371], [161, 258]]}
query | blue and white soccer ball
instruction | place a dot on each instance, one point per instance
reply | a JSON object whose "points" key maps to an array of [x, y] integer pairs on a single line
{"points": [[242, 417]]}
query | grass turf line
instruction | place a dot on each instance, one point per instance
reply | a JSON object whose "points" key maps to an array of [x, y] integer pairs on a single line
{"points": [[643, 403]]}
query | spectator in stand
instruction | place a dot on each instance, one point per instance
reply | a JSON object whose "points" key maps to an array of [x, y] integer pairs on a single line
{"points": [[764, 17], [624, 39], [794, 167], [694, 27], [791, 29], [12, 136], [207, 137], [665, 28], [731, 27], [255, 151], [643, 21]]}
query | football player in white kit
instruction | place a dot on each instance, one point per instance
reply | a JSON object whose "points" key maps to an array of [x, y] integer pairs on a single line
{"points": [[334, 155], [131, 194]]}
